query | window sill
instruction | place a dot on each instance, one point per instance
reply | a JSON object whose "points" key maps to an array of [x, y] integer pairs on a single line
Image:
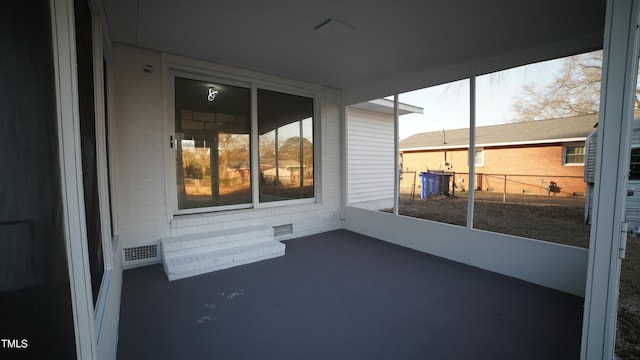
{"points": [[241, 215]]}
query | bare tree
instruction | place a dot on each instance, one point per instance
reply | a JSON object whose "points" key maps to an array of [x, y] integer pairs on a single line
{"points": [[233, 152], [575, 91]]}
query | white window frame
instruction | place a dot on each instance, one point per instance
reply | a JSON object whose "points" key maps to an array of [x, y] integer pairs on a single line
{"points": [[64, 53], [106, 177], [564, 154], [177, 66]]}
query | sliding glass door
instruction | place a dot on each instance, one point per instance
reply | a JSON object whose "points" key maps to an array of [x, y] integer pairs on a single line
{"points": [[238, 145], [212, 127]]}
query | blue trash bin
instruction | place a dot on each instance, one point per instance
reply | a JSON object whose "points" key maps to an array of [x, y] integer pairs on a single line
{"points": [[431, 184], [434, 184], [424, 184]]}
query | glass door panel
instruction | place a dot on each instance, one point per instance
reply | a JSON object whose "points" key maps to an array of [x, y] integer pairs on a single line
{"points": [[285, 126], [212, 127]]}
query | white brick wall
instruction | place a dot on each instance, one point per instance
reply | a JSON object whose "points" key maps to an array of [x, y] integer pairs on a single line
{"points": [[139, 144], [331, 174]]}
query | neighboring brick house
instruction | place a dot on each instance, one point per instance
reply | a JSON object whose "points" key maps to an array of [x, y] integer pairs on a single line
{"points": [[525, 157]]}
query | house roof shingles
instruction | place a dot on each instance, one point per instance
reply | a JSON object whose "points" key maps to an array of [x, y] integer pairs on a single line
{"points": [[529, 132]]}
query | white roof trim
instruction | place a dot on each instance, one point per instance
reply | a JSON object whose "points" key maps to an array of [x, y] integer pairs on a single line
{"points": [[385, 106], [513, 143]]}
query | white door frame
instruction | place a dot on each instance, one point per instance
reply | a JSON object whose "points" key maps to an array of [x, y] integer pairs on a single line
{"points": [[608, 229], [64, 55]]}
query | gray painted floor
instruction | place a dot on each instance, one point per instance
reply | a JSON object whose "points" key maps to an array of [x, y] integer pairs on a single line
{"points": [[341, 295]]}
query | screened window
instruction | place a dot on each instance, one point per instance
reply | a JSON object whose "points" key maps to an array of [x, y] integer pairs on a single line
{"points": [[574, 155], [435, 160]]}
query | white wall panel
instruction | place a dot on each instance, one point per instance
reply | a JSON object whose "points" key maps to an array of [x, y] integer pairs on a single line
{"points": [[552, 265], [139, 145]]}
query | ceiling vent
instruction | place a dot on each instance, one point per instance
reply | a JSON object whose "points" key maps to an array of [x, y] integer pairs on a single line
{"points": [[333, 28]]}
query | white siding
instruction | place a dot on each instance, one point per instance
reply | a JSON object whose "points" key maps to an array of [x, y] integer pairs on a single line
{"points": [[370, 159], [139, 142], [591, 146], [633, 204], [633, 201]]}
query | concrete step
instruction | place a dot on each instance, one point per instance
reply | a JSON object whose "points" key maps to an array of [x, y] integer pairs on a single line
{"points": [[195, 254], [180, 267], [218, 238]]}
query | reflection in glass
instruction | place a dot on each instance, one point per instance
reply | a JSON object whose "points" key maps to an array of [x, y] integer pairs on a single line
{"points": [[285, 125], [212, 143]]}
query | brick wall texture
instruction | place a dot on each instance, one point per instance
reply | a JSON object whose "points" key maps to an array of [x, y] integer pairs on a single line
{"points": [[528, 169]]}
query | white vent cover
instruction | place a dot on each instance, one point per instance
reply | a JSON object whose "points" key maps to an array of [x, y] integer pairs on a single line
{"points": [[282, 230], [140, 255]]}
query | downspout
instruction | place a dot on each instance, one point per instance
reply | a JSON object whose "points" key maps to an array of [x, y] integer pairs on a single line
{"points": [[472, 150]]}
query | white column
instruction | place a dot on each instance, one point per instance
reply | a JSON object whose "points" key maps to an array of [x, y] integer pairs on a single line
{"points": [[608, 234], [396, 154], [64, 50]]}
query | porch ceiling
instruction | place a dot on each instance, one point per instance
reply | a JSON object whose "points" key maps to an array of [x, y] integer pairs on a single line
{"points": [[389, 39]]}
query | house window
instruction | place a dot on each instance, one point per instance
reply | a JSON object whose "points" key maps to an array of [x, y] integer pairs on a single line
{"points": [[285, 127], [479, 157], [217, 133], [634, 166], [574, 155]]}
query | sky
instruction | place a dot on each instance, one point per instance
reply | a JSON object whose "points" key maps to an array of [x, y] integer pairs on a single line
{"points": [[447, 106]]}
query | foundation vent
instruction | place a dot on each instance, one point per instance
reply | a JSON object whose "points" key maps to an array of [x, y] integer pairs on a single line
{"points": [[140, 255], [282, 230]]}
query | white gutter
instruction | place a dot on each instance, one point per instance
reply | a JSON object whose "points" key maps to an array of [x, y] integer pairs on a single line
{"points": [[513, 143]]}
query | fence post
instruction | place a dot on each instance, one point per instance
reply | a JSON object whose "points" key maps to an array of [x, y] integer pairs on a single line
{"points": [[504, 193], [453, 184]]}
